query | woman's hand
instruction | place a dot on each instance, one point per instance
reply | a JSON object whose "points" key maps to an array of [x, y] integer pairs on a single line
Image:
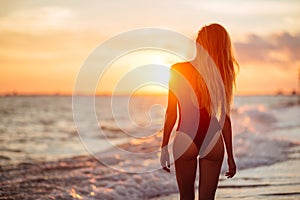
{"points": [[231, 168], [165, 159]]}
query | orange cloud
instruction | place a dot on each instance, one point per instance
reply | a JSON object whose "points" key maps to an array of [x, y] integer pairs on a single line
{"points": [[268, 64], [276, 49]]}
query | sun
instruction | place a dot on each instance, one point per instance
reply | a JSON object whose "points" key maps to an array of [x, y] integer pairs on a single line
{"points": [[156, 75]]}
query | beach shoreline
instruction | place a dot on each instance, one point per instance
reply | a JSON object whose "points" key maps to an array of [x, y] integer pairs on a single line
{"points": [[280, 180], [84, 177]]}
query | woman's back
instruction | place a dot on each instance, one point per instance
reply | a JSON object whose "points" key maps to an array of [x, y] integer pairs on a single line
{"points": [[194, 119]]}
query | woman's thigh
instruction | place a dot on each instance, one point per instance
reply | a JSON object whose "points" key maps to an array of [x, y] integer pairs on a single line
{"points": [[185, 155], [184, 148], [210, 167]]}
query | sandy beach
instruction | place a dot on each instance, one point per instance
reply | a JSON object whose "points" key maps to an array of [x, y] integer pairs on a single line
{"points": [[83, 177]]}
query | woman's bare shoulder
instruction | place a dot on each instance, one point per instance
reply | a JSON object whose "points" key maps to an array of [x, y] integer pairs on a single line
{"points": [[180, 66]]}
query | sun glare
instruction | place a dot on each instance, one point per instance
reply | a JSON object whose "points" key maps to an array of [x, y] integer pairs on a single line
{"points": [[143, 72]]}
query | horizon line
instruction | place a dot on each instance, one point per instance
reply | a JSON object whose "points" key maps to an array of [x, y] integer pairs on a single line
{"points": [[11, 94]]}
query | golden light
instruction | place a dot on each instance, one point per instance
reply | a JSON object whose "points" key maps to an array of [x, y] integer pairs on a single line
{"points": [[126, 64]]}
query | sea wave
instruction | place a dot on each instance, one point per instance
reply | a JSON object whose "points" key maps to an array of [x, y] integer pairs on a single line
{"points": [[44, 128]]}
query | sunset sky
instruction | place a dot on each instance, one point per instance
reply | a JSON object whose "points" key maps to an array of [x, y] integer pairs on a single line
{"points": [[43, 44]]}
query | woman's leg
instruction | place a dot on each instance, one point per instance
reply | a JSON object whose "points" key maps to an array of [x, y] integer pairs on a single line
{"points": [[185, 155], [210, 167]]}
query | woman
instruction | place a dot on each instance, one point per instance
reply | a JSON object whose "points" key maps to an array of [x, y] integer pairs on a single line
{"points": [[204, 121]]}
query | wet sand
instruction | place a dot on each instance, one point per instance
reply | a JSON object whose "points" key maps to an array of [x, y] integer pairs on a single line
{"points": [[278, 181], [84, 177]]}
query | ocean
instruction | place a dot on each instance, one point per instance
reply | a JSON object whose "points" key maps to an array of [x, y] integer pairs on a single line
{"points": [[36, 130]]}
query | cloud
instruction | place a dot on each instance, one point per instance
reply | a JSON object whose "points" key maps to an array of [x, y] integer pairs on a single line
{"points": [[290, 43], [279, 49]]}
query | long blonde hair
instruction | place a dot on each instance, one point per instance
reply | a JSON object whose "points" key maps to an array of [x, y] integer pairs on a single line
{"points": [[214, 51]]}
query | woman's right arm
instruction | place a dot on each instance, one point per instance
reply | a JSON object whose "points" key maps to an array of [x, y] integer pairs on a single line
{"points": [[170, 118], [171, 112], [227, 135]]}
